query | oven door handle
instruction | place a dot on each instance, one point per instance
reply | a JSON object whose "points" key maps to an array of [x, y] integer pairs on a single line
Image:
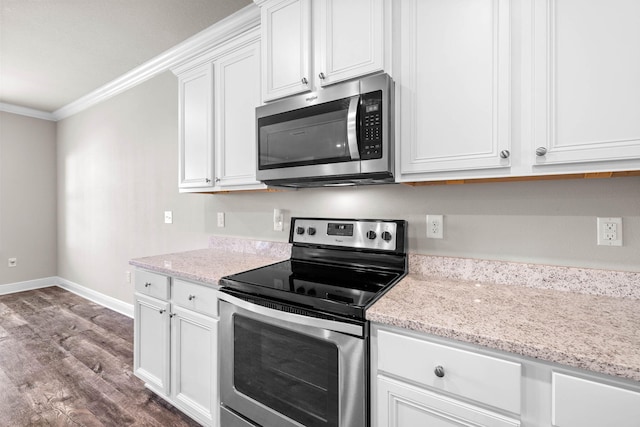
{"points": [[352, 128], [312, 322]]}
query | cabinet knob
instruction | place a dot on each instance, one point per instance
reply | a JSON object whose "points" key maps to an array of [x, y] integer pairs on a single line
{"points": [[505, 154], [147, 284], [162, 311], [192, 297], [541, 151], [207, 180], [322, 76], [305, 81], [217, 179], [439, 371]]}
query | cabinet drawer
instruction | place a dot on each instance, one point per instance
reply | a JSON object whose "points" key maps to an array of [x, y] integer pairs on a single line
{"points": [[486, 379], [582, 403], [152, 284], [202, 299]]}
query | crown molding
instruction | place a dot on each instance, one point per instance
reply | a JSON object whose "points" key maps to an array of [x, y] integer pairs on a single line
{"points": [[231, 26], [24, 111]]}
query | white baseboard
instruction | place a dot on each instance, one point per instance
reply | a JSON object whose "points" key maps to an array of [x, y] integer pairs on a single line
{"points": [[28, 285], [97, 297]]}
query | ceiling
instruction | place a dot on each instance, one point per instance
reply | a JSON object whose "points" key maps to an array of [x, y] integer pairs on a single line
{"points": [[53, 52]]}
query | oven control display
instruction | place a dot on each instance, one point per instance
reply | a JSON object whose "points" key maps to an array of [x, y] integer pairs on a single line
{"points": [[335, 229]]}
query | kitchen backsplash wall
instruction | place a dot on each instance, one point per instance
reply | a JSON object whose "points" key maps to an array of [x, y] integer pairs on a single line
{"points": [[117, 174]]}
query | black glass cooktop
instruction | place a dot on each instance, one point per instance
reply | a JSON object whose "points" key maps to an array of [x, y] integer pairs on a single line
{"points": [[335, 289]]}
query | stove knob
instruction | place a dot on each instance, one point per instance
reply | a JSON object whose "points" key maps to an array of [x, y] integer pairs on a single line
{"points": [[300, 230], [386, 236], [311, 231], [371, 235]]}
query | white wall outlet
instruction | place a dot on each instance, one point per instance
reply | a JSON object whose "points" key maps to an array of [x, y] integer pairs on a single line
{"points": [[127, 277], [221, 219], [435, 227], [278, 220], [12, 262], [609, 231], [168, 217]]}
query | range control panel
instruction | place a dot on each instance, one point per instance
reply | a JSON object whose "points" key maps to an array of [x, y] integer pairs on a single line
{"points": [[361, 234]]}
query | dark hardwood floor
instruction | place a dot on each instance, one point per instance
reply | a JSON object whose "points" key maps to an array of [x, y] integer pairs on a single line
{"points": [[66, 361]]}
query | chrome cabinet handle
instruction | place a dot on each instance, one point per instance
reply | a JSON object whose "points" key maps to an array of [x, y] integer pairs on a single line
{"points": [[147, 284], [322, 76], [505, 154], [439, 371], [541, 151], [305, 81], [217, 179], [162, 311], [207, 180], [192, 297]]}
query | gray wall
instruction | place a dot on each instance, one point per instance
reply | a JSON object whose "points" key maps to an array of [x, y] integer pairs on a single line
{"points": [[117, 174], [27, 198]]}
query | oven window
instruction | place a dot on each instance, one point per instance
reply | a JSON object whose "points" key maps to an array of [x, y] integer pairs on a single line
{"points": [[312, 135], [293, 374]]}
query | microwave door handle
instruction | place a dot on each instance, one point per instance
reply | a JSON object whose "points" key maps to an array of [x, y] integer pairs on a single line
{"points": [[352, 128]]}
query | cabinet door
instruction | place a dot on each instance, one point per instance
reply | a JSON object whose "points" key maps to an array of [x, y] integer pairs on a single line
{"points": [[151, 342], [454, 85], [403, 405], [349, 39], [195, 126], [194, 364], [582, 403], [286, 46], [237, 96], [586, 89]]}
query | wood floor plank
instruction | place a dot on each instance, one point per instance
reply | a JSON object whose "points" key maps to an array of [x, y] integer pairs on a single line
{"points": [[66, 361]]}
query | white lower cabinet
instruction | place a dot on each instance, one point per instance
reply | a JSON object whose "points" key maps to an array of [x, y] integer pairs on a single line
{"points": [[403, 405], [422, 383], [175, 345], [579, 402], [427, 381]]}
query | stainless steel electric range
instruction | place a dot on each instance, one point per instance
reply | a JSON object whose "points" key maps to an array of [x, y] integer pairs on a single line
{"points": [[293, 335]]}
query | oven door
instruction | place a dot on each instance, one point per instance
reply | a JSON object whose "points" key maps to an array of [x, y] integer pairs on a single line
{"points": [[283, 369]]}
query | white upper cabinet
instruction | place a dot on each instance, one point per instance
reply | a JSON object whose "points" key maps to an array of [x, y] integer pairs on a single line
{"points": [[195, 125], [307, 44], [585, 105], [454, 84], [219, 92], [237, 96]]}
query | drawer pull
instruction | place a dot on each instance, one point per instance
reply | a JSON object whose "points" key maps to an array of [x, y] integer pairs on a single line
{"points": [[439, 371], [191, 297], [147, 284], [162, 311]]}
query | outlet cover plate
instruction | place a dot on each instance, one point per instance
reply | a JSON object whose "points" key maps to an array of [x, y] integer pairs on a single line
{"points": [[435, 227], [609, 231]]}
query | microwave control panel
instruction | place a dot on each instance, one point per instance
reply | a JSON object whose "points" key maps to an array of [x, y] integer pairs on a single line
{"points": [[371, 128]]}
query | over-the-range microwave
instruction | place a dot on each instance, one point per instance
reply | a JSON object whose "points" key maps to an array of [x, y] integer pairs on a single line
{"points": [[340, 135]]}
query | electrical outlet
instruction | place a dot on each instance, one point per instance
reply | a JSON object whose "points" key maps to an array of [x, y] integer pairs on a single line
{"points": [[609, 231], [168, 217], [12, 262], [278, 220], [127, 277], [435, 227], [221, 219]]}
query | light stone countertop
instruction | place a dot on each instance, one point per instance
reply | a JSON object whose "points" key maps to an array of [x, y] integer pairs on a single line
{"points": [[593, 332], [587, 319], [205, 265]]}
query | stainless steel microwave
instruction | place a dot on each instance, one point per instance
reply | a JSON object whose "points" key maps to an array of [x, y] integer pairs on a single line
{"points": [[340, 135]]}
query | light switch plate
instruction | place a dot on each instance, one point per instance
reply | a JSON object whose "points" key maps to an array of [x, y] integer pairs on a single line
{"points": [[278, 220], [168, 217], [221, 219]]}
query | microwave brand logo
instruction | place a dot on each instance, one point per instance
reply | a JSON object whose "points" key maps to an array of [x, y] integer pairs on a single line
{"points": [[311, 98]]}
